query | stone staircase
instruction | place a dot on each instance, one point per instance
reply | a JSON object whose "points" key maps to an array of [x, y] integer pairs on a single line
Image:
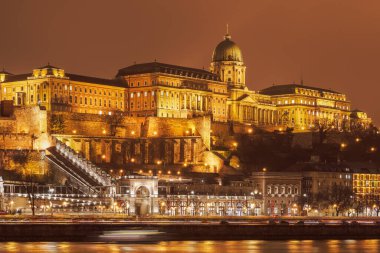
{"points": [[85, 174]]}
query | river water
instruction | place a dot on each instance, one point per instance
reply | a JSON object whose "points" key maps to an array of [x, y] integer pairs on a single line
{"points": [[288, 246]]}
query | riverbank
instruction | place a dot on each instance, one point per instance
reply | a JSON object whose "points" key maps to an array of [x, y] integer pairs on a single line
{"points": [[155, 231]]}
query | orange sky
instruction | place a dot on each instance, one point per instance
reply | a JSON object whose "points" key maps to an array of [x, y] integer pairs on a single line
{"points": [[335, 43]]}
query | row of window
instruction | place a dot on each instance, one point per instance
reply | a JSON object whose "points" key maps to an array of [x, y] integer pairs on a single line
{"points": [[282, 190]]}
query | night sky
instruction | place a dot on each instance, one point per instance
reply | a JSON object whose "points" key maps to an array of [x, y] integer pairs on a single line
{"points": [[335, 44]]}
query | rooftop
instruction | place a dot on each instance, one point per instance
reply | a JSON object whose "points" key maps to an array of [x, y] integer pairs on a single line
{"points": [[291, 89], [158, 67]]}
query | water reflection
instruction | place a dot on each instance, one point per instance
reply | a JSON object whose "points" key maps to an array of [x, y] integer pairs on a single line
{"points": [[291, 246]]}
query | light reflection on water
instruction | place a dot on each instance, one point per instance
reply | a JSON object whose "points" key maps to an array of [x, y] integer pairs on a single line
{"points": [[256, 246]]}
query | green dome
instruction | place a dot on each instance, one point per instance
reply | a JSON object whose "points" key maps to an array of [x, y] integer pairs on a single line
{"points": [[227, 50]]}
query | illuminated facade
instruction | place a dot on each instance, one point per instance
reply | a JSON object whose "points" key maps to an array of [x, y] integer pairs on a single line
{"points": [[366, 184], [301, 106], [55, 90], [170, 91]]}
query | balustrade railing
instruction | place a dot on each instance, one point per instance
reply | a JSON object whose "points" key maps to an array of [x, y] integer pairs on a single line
{"points": [[83, 164]]}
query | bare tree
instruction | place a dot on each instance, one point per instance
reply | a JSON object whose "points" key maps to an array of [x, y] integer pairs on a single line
{"points": [[341, 198], [323, 126], [22, 159], [358, 205]]}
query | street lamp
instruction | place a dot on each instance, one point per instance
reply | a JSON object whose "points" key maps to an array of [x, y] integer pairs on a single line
{"points": [[51, 191]]}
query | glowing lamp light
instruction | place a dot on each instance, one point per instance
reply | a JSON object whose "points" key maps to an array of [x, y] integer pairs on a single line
{"points": [[104, 131], [159, 172], [169, 172], [140, 171], [264, 169], [343, 145], [373, 149], [155, 133], [159, 162], [357, 139], [103, 156], [178, 172], [133, 132], [44, 144], [74, 131], [132, 160], [250, 130]]}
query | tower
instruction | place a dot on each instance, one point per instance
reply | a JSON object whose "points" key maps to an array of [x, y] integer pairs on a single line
{"points": [[227, 62]]}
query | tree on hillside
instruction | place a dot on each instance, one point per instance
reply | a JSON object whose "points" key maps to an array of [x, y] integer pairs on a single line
{"points": [[323, 126], [114, 120]]}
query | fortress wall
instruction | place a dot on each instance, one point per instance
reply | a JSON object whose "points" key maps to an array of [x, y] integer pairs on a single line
{"points": [[15, 141], [166, 127], [30, 120], [95, 125]]}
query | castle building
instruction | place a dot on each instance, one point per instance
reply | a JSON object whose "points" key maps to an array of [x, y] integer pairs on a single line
{"points": [[169, 91]]}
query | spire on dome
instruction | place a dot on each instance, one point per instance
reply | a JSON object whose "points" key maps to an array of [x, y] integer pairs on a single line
{"points": [[227, 36]]}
